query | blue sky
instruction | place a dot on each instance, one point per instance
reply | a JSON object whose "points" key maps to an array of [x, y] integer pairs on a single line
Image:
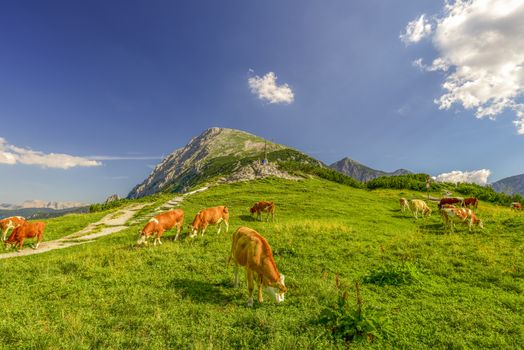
{"points": [[123, 83]]}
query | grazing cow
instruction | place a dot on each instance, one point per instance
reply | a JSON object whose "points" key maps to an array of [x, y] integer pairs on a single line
{"points": [[460, 215], [160, 223], [418, 205], [209, 216], [449, 201], [10, 223], [251, 250], [26, 230], [404, 204], [516, 206], [260, 207], [471, 201]]}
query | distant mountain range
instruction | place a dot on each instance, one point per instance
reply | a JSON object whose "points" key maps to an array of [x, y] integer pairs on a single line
{"points": [[360, 172], [510, 185], [36, 203]]}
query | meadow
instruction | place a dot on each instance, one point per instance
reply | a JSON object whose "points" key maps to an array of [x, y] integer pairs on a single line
{"points": [[433, 289]]}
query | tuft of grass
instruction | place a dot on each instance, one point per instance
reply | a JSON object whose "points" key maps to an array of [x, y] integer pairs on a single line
{"points": [[393, 274]]}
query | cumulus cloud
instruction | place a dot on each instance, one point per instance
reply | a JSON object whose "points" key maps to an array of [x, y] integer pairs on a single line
{"points": [[416, 30], [267, 89], [481, 50], [479, 177], [10, 154]]}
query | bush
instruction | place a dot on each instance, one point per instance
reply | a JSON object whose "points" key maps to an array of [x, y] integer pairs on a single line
{"points": [[320, 171], [349, 323], [393, 274]]}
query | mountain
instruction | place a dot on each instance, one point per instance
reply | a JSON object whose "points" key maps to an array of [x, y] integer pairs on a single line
{"points": [[510, 185], [361, 172], [218, 154], [40, 204], [41, 213]]}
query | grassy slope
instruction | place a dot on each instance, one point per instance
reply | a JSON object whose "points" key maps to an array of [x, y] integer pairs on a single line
{"points": [[111, 295]]}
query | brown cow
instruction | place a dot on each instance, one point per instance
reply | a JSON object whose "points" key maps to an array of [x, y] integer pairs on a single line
{"points": [[471, 201], [209, 216], [260, 207], [27, 230], [10, 223], [251, 250], [516, 206], [449, 201], [460, 215], [160, 223]]}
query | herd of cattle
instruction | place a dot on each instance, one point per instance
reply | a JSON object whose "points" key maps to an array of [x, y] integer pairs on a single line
{"points": [[249, 248], [452, 210]]}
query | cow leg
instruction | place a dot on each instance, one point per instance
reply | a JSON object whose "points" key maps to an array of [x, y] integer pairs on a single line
{"points": [[38, 241], [227, 225], [21, 244], [204, 227], [178, 229], [260, 296], [236, 276], [250, 286], [4, 234], [219, 226]]}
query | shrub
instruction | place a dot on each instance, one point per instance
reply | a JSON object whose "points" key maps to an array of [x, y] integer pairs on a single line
{"points": [[393, 274], [357, 323], [320, 171]]}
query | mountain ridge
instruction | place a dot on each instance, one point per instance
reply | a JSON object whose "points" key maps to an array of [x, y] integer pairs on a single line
{"points": [[361, 172]]}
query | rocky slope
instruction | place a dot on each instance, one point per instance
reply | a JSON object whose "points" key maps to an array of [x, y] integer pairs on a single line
{"points": [[361, 172], [510, 185], [217, 154]]}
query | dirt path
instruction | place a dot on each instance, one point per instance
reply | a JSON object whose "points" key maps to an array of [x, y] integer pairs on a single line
{"points": [[111, 223]]}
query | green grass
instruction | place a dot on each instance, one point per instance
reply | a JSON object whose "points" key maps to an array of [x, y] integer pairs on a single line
{"points": [[466, 291]]}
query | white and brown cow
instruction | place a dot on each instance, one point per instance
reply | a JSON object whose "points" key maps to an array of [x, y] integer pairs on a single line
{"points": [[465, 216], [10, 223], [209, 216], [516, 206], [251, 250], [160, 223]]}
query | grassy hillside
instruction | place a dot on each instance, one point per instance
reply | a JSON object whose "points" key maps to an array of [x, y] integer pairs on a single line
{"points": [[435, 290]]}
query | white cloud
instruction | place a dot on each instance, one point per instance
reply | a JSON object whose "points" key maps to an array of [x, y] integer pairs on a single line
{"points": [[416, 30], [480, 46], [10, 154], [479, 177], [266, 88]]}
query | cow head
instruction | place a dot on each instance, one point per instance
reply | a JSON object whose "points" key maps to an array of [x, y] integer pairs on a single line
{"points": [[277, 289], [253, 210], [193, 230], [142, 238]]}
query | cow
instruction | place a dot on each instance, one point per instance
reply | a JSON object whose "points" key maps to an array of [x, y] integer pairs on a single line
{"points": [[450, 201], [10, 223], [26, 230], [251, 250], [516, 206], [460, 215], [260, 207], [404, 204], [209, 216], [470, 201], [418, 205], [160, 223]]}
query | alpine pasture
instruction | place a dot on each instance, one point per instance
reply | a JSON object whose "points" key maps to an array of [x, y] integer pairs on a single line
{"points": [[465, 290]]}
